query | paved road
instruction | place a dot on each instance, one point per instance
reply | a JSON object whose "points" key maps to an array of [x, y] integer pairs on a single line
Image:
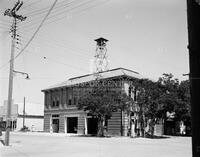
{"points": [[60, 145]]}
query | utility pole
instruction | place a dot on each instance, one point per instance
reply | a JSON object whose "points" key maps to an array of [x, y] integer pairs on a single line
{"points": [[193, 15], [12, 13], [24, 112]]}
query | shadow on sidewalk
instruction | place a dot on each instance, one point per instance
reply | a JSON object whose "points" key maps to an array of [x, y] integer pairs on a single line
{"points": [[155, 137]]}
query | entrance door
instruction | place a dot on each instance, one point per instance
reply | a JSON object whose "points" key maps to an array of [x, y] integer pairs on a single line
{"points": [[72, 124], [55, 125], [92, 126]]}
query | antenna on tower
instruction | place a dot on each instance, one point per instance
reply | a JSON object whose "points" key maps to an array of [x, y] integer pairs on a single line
{"points": [[101, 61]]}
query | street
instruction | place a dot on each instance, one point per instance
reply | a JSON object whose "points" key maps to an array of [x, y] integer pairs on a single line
{"points": [[60, 145]]}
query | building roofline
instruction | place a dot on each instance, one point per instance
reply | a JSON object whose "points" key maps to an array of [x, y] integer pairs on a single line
{"points": [[103, 72], [64, 84]]}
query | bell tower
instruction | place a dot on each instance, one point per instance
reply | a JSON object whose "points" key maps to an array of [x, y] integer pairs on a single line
{"points": [[101, 61]]}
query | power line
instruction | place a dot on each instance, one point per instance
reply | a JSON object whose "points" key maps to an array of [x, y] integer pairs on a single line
{"points": [[58, 44], [43, 10], [29, 5], [33, 34], [79, 11], [44, 57], [36, 30], [58, 19], [62, 12], [31, 40], [27, 25]]}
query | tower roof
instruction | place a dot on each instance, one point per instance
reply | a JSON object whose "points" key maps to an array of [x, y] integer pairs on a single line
{"points": [[100, 40]]}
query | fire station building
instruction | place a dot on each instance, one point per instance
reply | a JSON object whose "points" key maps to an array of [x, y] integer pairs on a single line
{"points": [[62, 116]]}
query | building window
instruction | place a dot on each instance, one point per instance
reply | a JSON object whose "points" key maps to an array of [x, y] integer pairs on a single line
{"points": [[135, 95], [75, 100], [57, 103], [55, 116], [54, 104], [129, 91], [70, 102]]}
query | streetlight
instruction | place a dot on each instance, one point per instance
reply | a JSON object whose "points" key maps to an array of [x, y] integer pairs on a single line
{"points": [[23, 73], [27, 78], [8, 114]]}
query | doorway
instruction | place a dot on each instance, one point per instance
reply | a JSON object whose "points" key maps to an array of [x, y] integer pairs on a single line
{"points": [[55, 125], [72, 124], [92, 126]]}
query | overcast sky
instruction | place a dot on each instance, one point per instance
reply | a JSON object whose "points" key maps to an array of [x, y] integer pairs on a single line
{"points": [[147, 36]]}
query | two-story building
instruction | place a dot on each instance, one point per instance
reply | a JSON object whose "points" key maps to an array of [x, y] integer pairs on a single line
{"points": [[61, 114]]}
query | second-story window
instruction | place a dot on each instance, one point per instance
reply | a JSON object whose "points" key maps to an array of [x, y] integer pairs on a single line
{"points": [[57, 103], [53, 104], [75, 101], [70, 102]]}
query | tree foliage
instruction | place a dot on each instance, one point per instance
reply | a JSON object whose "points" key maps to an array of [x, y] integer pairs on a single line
{"points": [[154, 99], [101, 101], [166, 95]]}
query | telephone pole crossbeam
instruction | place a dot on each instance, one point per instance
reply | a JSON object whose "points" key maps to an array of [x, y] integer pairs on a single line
{"points": [[12, 13]]}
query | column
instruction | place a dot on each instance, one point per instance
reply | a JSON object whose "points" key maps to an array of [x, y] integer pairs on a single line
{"points": [[86, 128]]}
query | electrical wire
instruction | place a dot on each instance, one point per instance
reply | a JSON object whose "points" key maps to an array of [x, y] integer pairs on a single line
{"points": [[56, 61], [63, 12], [44, 10], [29, 5], [31, 25], [58, 44], [75, 7], [34, 33], [36, 30], [39, 11], [57, 57], [77, 12]]}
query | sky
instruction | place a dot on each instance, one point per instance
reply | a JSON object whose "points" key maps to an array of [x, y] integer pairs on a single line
{"points": [[147, 36]]}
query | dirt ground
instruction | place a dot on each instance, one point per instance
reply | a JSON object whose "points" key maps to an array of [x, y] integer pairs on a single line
{"points": [[61, 145]]}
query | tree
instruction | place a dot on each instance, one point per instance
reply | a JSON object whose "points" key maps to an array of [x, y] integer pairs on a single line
{"points": [[101, 101], [184, 111], [175, 98], [148, 101], [155, 99]]}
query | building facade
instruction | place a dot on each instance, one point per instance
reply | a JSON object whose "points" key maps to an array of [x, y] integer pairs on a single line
{"points": [[62, 116]]}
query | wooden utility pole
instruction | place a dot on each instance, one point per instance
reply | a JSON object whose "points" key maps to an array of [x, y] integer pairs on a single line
{"points": [[24, 113], [11, 13], [193, 12]]}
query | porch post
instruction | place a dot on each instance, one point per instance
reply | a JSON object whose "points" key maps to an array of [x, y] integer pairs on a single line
{"points": [[86, 127]]}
